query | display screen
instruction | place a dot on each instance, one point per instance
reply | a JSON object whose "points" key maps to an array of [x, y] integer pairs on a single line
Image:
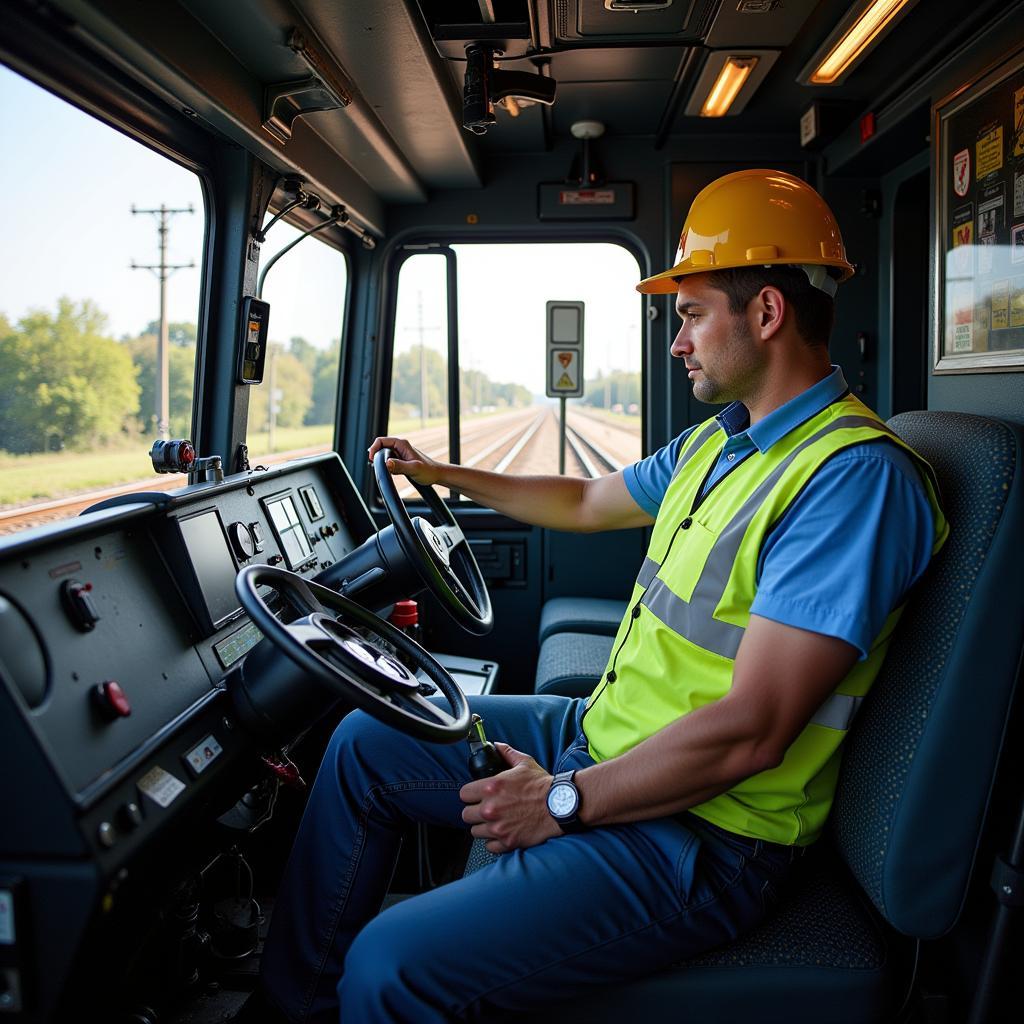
{"points": [[240, 643], [212, 563], [290, 532]]}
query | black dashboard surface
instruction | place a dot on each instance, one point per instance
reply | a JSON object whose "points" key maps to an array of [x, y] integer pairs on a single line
{"points": [[116, 627]]}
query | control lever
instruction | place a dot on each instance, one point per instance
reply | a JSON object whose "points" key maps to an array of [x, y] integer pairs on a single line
{"points": [[484, 759], [283, 768]]}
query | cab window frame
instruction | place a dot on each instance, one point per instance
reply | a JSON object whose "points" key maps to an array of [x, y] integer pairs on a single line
{"points": [[416, 242], [336, 238], [62, 67]]}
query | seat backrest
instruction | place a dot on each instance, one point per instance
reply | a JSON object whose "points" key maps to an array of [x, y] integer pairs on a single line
{"points": [[920, 762]]}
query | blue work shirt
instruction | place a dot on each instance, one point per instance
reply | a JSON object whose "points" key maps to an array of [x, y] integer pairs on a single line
{"points": [[849, 547]]}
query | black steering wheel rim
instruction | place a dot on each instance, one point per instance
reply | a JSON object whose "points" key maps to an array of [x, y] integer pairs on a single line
{"points": [[431, 550], [326, 648]]}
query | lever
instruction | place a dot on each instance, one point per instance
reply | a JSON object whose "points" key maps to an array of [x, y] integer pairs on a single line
{"points": [[484, 759], [484, 85]]}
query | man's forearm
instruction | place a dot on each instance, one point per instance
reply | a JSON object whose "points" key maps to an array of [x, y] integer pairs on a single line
{"points": [[552, 501], [688, 762]]}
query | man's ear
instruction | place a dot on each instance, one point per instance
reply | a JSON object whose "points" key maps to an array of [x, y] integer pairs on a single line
{"points": [[768, 309]]}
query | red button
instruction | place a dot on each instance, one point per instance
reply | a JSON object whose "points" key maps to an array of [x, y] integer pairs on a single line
{"points": [[111, 700]]}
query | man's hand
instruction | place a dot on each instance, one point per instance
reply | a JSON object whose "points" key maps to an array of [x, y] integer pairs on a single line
{"points": [[409, 462], [510, 809]]}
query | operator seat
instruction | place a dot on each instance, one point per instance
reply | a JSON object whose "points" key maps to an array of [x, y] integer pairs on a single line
{"points": [[918, 771]]}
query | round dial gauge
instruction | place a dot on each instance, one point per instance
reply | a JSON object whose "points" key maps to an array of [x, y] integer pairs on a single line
{"points": [[241, 541]]}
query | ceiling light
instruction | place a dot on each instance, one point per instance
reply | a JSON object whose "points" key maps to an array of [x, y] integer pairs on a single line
{"points": [[728, 81], [735, 71], [853, 37]]}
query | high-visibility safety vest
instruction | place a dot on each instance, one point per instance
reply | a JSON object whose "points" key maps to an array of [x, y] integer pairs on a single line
{"points": [[676, 646]]}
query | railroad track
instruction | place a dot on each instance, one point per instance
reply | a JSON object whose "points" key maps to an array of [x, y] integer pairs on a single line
{"points": [[587, 451], [15, 519]]}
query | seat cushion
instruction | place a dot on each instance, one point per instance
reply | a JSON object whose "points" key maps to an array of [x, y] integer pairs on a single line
{"points": [[570, 664], [580, 615], [822, 956]]}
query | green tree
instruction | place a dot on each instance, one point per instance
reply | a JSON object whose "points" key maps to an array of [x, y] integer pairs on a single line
{"points": [[289, 377], [615, 388], [325, 385], [181, 333], [181, 368], [65, 382], [305, 352], [478, 391], [405, 380]]}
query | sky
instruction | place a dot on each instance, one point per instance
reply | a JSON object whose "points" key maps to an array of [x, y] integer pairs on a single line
{"points": [[503, 291], [69, 230]]}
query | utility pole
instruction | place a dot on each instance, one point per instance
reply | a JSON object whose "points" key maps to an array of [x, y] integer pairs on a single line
{"points": [[423, 360], [163, 271], [421, 329]]}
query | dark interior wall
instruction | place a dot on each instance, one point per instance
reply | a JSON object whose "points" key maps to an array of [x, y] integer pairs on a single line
{"points": [[893, 341], [857, 299]]}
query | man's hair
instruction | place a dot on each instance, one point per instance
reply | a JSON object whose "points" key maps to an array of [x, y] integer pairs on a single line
{"points": [[814, 311]]}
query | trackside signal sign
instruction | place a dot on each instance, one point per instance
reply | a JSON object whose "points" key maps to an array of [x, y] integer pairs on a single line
{"points": [[564, 349]]}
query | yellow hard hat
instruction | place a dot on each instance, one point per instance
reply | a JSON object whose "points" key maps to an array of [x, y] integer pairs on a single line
{"points": [[757, 218]]}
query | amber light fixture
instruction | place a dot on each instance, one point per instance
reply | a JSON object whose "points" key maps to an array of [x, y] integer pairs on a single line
{"points": [[855, 40], [735, 72]]}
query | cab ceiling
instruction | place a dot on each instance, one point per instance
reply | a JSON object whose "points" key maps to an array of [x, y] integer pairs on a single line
{"points": [[402, 62]]}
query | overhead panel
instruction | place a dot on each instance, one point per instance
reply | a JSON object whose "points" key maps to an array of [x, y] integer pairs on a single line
{"points": [[386, 49], [767, 24], [590, 21]]}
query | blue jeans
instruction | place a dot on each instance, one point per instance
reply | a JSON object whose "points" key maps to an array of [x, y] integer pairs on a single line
{"points": [[605, 905]]}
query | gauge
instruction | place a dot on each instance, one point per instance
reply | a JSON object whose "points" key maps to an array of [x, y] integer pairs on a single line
{"points": [[242, 541]]}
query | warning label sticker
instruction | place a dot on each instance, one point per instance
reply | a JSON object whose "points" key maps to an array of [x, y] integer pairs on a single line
{"points": [[962, 296], [1000, 305], [989, 150], [960, 262], [962, 172], [564, 376], [1017, 302], [587, 197], [1018, 123], [160, 786]]}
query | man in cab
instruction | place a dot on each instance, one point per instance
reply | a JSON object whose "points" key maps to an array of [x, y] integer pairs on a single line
{"points": [[659, 817]]}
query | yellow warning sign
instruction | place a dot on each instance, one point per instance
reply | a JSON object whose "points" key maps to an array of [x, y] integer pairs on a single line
{"points": [[1000, 305], [963, 234], [564, 373], [1017, 302], [989, 151], [1018, 123], [961, 298]]}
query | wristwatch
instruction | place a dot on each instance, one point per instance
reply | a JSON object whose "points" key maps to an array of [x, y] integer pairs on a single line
{"points": [[564, 802]]}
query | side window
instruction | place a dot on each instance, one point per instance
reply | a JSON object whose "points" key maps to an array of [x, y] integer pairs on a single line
{"points": [[84, 350], [292, 412], [505, 419]]}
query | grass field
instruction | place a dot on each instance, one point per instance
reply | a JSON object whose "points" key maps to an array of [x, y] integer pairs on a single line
{"points": [[49, 475]]}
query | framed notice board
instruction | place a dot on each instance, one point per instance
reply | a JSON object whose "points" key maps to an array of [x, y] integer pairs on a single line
{"points": [[979, 223]]}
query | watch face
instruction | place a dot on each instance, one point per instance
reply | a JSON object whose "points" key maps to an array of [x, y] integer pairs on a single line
{"points": [[562, 800]]}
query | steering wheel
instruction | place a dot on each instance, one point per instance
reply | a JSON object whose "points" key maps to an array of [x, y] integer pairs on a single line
{"points": [[334, 654], [435, 551]]}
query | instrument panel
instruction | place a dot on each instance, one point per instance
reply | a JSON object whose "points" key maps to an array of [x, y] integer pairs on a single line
{"points": [[117, 629]]}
